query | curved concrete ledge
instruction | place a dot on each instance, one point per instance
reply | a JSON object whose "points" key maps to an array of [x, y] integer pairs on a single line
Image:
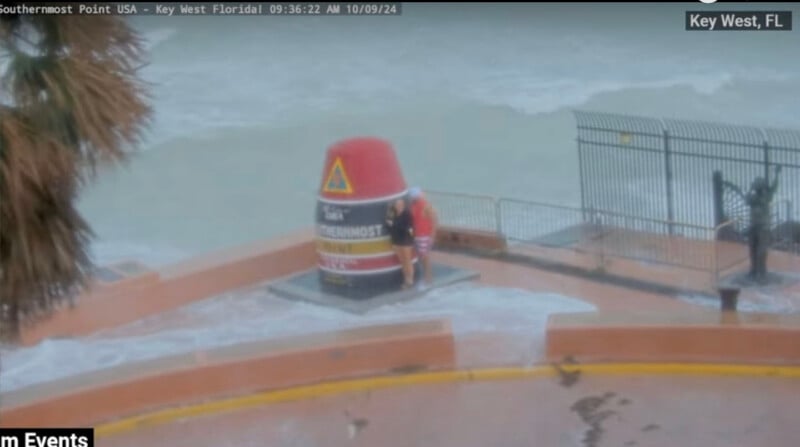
{"points": [[700, 336], [127, 390], [125, 297], [328, 389]]}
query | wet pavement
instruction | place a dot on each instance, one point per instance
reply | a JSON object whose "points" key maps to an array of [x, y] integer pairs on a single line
{"points": [[596, 411]]}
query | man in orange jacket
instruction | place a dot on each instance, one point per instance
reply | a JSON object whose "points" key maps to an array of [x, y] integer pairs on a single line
{"points": [[425, 222]]}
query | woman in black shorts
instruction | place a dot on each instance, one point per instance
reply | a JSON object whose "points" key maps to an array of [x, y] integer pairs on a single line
{"points": [[401, 232]]}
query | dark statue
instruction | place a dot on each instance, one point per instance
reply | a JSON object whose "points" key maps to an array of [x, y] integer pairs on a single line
{"points": [[759, 233]]}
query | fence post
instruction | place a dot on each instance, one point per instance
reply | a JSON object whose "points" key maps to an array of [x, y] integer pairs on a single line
{"points": [[719, 210], [582, 178], [766, 160], [668, 176], [602, 248], [498, 219], [715, 275]]}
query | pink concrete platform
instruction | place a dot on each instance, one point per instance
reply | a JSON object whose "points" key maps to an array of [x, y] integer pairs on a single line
{"points": [[508, 318]]}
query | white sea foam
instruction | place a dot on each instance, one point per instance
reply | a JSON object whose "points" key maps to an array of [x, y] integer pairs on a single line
{"points": [[255, 75], [110, 252], [767, 302], [517, 316]]}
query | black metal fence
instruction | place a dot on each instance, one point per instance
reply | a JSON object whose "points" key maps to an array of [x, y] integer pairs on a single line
{"points": [[662, 169]]}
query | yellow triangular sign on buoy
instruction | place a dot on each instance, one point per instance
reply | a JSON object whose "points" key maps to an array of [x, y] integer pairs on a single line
{"points": [[337, 180]]}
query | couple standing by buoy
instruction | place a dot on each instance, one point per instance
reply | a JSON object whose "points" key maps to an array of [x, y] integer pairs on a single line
{"points": [[412, 228]]}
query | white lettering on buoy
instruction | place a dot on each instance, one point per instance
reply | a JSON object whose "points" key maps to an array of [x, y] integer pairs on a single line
{"points": [[338, 263], [359, 232], [333, 213]]}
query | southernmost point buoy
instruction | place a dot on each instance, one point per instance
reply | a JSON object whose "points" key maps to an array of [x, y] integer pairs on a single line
{"points": [[360, 179]]}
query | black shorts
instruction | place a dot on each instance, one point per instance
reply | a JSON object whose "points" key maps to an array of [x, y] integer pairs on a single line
{"points": [[404, 242]]}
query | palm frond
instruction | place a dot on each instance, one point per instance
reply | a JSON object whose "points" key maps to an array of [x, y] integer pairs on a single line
{"points": [[74, 102]]}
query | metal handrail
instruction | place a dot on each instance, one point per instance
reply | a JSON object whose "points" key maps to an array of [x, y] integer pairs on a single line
{"points": [[578, 209], [592, 215], [588, 210], [606, 213], [727, 223], [652, 220], [542, 204], [461, 195]]}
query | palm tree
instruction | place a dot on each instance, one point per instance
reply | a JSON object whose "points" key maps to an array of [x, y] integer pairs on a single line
{"points": [[70, 100]]}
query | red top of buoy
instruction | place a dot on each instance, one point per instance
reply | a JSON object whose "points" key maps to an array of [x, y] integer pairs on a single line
{"points": [[361, 168]]}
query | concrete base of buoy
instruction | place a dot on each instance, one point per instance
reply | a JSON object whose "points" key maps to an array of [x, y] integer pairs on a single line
{"points": [[307, 287], [363, 287]]}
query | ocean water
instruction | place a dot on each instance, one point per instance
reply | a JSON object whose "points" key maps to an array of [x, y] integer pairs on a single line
{"points": [[475, 98]]}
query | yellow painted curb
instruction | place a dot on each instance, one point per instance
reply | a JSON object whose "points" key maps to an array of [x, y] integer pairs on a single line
{"points": [[327, 389]]}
